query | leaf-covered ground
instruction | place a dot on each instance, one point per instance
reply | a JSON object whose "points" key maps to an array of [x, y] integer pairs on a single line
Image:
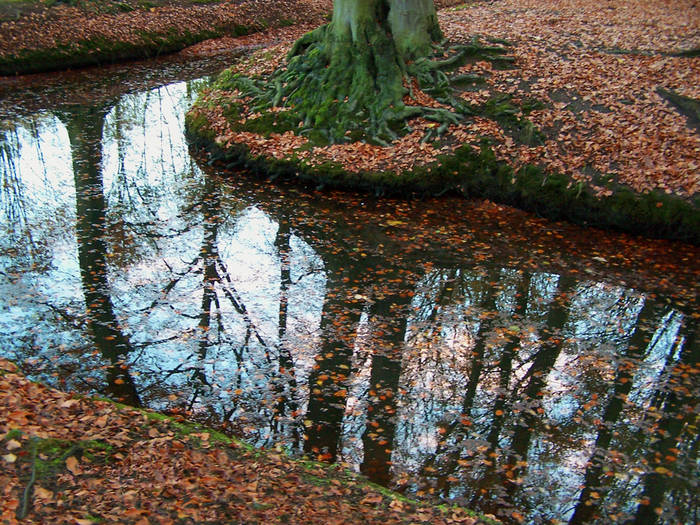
{"points": [[45, 27], [596, 81], [67, 459]]}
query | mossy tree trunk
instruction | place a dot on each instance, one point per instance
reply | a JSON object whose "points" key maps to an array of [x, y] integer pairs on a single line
{"points": [[357, 78], [348, 79], [353, 68]]}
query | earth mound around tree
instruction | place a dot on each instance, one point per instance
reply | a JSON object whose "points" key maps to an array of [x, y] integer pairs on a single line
{"points": [[568, 129]]}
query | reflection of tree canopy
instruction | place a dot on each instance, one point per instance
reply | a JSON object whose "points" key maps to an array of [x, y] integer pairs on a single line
{"points": [[141, 155], [336, 329], [20, 143]]}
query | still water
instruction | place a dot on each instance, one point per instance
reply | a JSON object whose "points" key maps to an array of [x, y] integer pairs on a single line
{"points": [[448, 349]]}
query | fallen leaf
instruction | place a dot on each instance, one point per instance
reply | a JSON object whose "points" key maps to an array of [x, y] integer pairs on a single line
{"points": [[73, 465], [13, 444]]}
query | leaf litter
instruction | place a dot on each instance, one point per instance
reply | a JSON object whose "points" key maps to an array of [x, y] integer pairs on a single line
{"points": [[122, 465], [595, 71]]}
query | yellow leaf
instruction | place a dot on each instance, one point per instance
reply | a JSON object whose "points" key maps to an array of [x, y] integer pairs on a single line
{"points": [[10, 458], [13, 444]]}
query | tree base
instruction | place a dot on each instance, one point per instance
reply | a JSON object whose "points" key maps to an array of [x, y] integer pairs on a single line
{"points": [[337, 90]]}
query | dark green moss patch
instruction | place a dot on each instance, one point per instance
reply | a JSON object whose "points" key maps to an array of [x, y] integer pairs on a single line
{"points": [[690, 53], [51, 454], [511, 117], [270, 122]]}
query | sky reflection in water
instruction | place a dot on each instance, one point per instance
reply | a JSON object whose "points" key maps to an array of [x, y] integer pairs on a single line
{"points": [[345, 329]]}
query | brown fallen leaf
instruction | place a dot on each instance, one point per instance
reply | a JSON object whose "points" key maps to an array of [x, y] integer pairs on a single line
{"points": [[73, 465], [42, 493]]}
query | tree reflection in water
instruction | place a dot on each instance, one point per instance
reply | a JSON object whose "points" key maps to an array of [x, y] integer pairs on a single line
{"points": [[435, 359]]}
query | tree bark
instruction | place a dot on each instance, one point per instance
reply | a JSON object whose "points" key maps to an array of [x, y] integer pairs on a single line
{"points": [[345, 80]]}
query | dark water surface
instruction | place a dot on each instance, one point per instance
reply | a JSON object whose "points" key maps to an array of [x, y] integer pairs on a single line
{"points": [[534, 370]]}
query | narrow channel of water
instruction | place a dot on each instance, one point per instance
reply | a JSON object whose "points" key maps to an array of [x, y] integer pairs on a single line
{"points": [[444, 348]]}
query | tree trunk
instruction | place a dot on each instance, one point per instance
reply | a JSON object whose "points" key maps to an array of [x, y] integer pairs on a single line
{"points": [[411, 24], [84, 126], [345, 80], [414, 26]]}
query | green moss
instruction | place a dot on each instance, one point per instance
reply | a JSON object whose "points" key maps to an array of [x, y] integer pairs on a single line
{"points": [[14, 433], [510, 116], [198, 123], [101, 50], [94, 519]]}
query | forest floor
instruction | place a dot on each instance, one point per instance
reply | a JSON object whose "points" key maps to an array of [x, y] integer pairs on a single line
{"points": [[71, 459]]}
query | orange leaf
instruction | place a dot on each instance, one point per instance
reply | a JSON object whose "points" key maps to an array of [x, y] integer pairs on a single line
{"points": [[73, 465]]}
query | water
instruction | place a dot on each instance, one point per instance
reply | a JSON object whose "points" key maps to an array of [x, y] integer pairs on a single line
{"points": [[450, 350]]}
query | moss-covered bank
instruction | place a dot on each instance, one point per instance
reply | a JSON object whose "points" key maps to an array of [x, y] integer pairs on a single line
{"points": [[102, 50], [476, 173]]}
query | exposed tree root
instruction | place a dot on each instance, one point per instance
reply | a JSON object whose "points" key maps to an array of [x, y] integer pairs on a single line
{"points": [[341, 90]]}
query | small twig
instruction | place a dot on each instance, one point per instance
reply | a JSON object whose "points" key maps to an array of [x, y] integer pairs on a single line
{"points": [[26, 495]]}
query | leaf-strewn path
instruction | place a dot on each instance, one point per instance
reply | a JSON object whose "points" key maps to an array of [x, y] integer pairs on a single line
{"points": [[94, 461]]}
